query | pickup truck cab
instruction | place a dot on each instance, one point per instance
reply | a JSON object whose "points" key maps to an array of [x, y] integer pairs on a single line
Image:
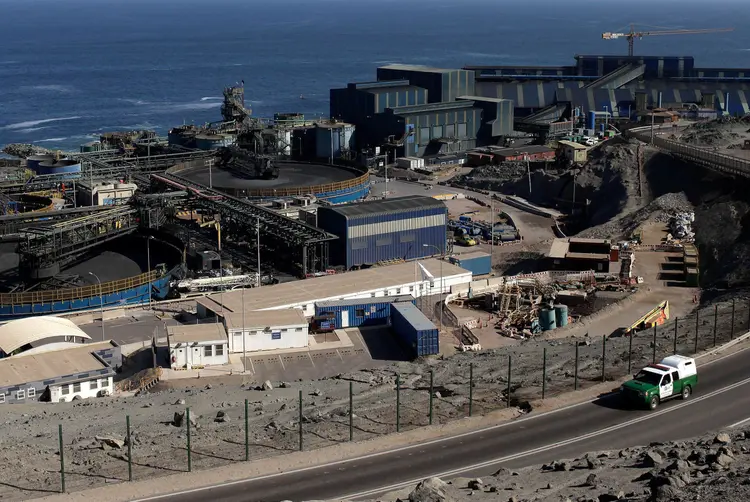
{"points": [[674, 376]]}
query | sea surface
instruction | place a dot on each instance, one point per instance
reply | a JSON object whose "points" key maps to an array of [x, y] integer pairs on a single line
{"points": [[71, 69]]}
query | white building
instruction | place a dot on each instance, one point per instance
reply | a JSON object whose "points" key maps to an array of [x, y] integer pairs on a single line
{"points": [[69, 373], [197, 345], [18, 335], [428, 277], [105, 193], [266, 330]]}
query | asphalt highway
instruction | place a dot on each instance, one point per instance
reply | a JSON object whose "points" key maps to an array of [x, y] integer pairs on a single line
{"points": [[722, 398]]}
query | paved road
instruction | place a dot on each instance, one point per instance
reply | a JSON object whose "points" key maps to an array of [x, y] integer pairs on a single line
{"points": [[571, 432]]}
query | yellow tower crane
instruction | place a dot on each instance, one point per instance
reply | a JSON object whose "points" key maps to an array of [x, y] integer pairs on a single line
{"points": [[632, 34]]}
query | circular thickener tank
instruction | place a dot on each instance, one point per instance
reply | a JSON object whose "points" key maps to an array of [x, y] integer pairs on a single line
{"points": [[34, 161], [92, 146], [547, 319], [63, 166], [561, 315]]}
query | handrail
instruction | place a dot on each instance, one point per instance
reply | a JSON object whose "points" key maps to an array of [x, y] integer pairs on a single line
{"points": [[59, 295]]}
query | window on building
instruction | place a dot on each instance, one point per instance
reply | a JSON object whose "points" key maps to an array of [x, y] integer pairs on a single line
{"points": [[103, 382], [253, 332], [220, 350], [424, 135], [77, 387], [298, 330], [20, 395], [372, 295], [208, 350], [284, 330], [94, 384], [304, 307], [411, 289], [461, 130], [31, 392], [359, 312], [450, 131], [437, 131], [2, 397], [398, 291], [65, 390], [432, 284]]}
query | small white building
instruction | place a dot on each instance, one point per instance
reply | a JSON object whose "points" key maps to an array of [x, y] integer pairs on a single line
{"points": [[197, 345], [267, 330], [105, 193]]}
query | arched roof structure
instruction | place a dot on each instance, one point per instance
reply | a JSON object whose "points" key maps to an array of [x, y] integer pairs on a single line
{"points": [[16, 334]]}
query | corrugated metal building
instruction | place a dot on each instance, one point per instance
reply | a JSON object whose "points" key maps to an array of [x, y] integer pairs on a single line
{"points": [[417, 333], [441, 84], [332, 139], [358, 101], [382, 230], [359, 311], [497, 117]]}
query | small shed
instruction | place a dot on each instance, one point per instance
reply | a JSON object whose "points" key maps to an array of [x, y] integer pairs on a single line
{"points": [[197, 345], [267, 330], [572, 151]]}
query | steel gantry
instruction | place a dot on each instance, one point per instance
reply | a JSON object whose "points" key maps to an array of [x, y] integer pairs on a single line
{"points": [[292, 242]]}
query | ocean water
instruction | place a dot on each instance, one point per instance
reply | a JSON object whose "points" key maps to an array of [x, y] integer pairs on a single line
{"points": [[72, 69]]}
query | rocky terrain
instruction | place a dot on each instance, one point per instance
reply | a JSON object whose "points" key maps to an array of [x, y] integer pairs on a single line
{"points": [[727, 132], [715, 467], [94, 431]]}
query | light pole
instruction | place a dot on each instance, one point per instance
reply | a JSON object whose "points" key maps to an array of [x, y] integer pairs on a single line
{"points": [[101, 302], [442, 259], [148, 265]]}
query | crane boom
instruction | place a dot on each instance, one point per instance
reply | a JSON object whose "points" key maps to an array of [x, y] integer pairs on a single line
{"points": [[632, 34]]}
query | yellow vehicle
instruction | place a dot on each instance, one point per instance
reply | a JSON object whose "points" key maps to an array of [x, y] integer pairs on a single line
{"points": [[466, 240]]}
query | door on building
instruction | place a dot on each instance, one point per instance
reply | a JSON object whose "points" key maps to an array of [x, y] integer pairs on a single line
{"points": [[195, 358], [237, 342], [344, 318]]}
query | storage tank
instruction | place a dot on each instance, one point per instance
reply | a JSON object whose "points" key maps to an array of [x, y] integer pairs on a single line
{"points": [[547, 319], [91, 146], [561, 315], [62, 166], [34, 161], [212, 141], [592, 120]]}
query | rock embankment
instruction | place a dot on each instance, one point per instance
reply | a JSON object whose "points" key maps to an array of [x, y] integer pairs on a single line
{"points": [[711, 468]]}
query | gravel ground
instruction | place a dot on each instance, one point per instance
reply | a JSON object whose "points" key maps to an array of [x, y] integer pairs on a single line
{"points": [[712, 468], [94, 430]]}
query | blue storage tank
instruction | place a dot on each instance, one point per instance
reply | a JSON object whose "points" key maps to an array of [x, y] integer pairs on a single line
{"points": [[63, 166], [547, 319], [561, 315], [591, 124], [336, 137], [34, 161], [413, 328], [478, 263], [359, 311], [369, 232]]}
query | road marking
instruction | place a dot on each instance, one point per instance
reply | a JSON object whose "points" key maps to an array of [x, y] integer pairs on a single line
{"points": [[311, 359], [252, 366], [543, 449], [339, 353], [441, 440], [282, 363], [741, 422]]}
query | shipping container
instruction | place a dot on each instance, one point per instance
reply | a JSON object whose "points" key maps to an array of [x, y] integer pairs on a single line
{"points": [[401, 228], [416, 332], [358, 311], [478, 263]]}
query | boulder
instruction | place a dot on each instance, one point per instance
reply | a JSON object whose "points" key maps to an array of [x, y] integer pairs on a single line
{"points": [[678, 466], [665, 493], [475, 484], [221, 417], [722, 438], [430, 490], [611, 497], [180, 402], [110, 442], [317, 392], [591, 480], [267, 385], [652, 459]]}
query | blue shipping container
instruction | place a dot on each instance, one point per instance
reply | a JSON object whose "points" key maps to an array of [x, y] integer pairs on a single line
{"points": [[369, 232], [413, 328], [477, 263], [359, 311]]}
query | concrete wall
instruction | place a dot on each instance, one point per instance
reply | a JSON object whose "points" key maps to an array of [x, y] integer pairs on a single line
{"points": [[277, 337]]}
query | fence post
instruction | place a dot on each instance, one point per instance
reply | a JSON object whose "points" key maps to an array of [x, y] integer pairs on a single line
{"points": [[189, 450], [604, 356], [471, 386], [544, 372], [575, 374], [510, 361], [731, 335], [62, 459], [432, 392], [300, 421], [674, 348], [630, 352], [697, 319], [351, 411], [716, 320], [653, 358], [748, 315], [130, 448], [398, 403], [247, 435]]}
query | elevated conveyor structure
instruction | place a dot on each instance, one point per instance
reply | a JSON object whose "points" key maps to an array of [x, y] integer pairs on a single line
{"points": [[291, 242], [42, 251], [621, 76]]}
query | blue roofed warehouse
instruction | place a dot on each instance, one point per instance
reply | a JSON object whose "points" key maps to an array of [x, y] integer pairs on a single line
{"points": [[382, 230]]}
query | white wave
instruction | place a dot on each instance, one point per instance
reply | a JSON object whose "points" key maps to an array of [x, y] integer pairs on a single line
{"points": [[211, 98], [32, 123], [134, 101], [50, 87], [8, 62], [31, 129], [49, 140], [195, 106]]}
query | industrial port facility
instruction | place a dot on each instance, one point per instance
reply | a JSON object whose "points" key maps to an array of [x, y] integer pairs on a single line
{"points": [[274, 199]]}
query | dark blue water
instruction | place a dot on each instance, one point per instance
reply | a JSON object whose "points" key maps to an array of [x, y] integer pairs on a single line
{"points": [[74, 68]]}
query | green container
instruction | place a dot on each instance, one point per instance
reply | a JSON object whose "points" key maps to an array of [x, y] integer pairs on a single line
{"points": [[561, 315], [547, 319]]}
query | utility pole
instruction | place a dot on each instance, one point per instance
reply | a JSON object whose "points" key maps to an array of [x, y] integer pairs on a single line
{"points": [[257, 242], [148, 260], [492, 228], [210, 164], [385, 193], [528, 170], [652, 126], [244, 351]]}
